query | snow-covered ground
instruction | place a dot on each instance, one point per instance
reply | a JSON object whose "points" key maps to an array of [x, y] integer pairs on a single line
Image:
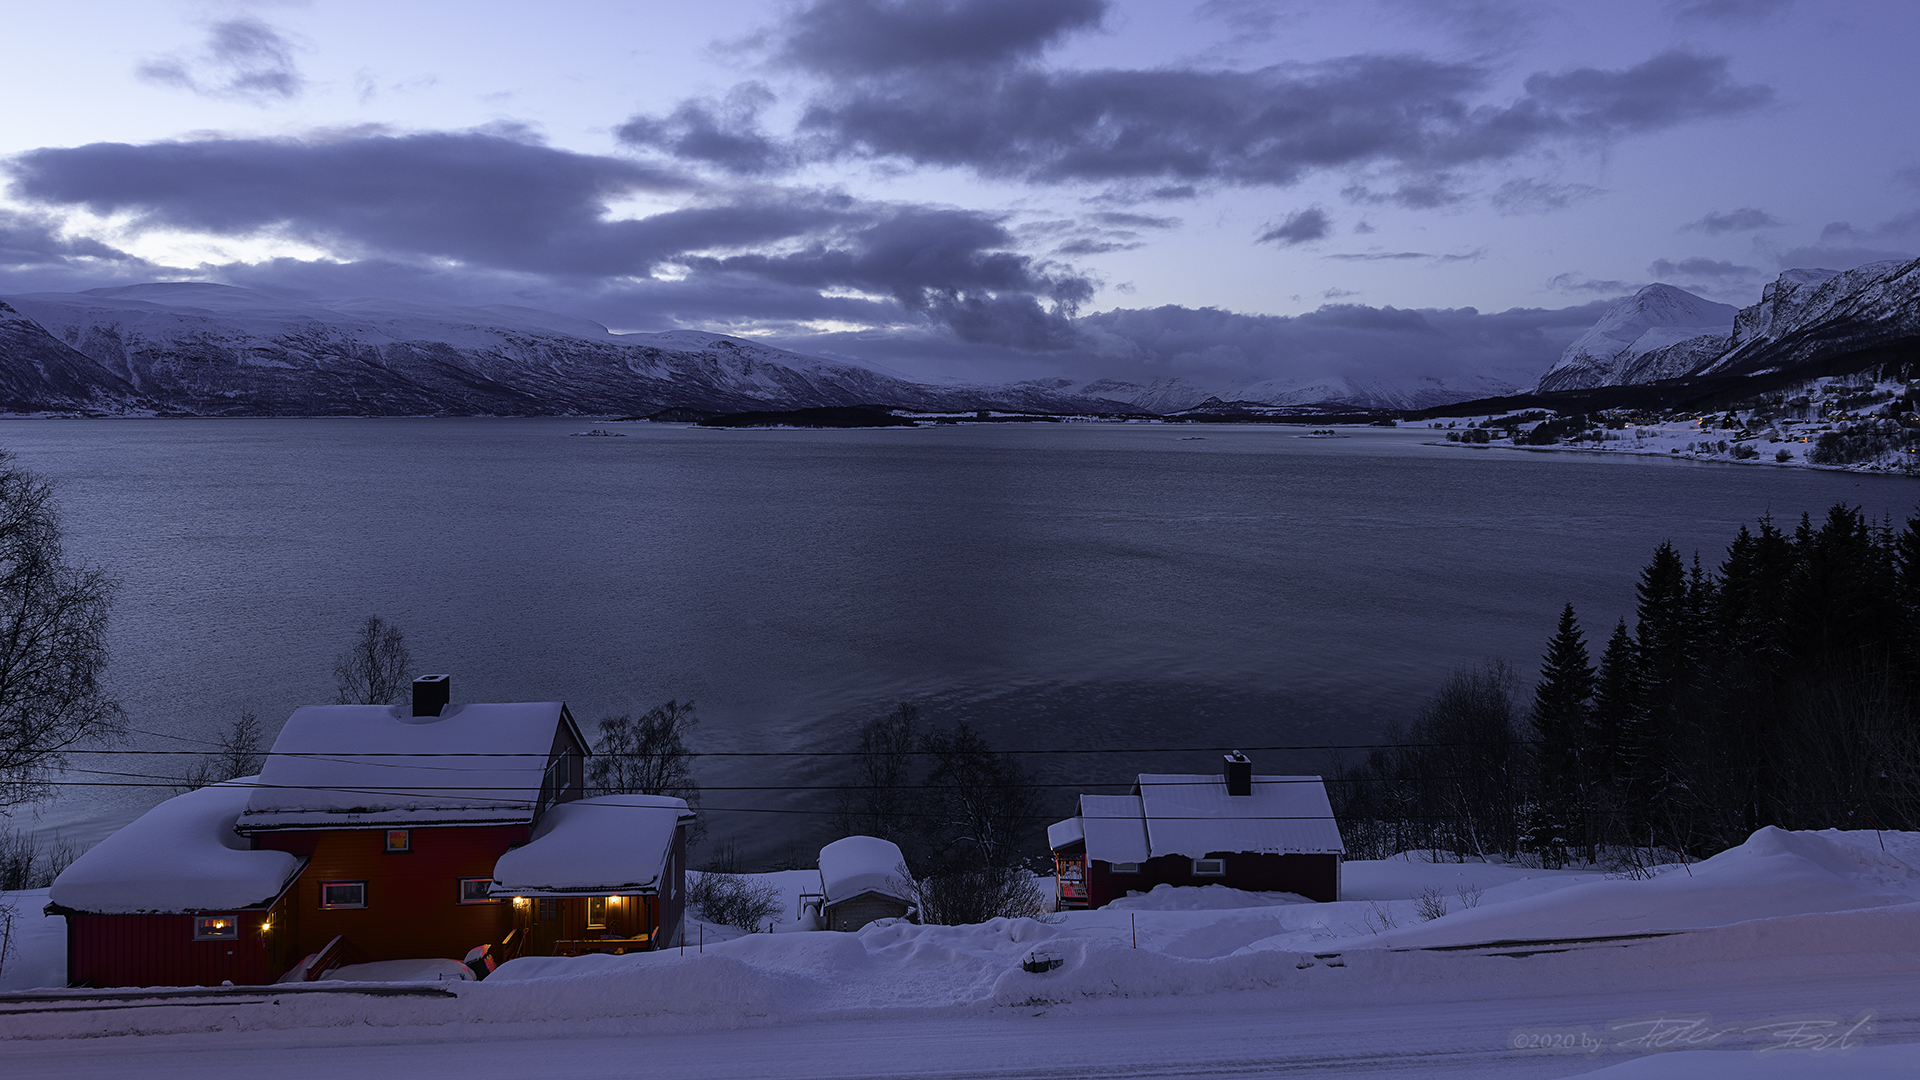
{"points": [[1796, 954], [1779, 438]]}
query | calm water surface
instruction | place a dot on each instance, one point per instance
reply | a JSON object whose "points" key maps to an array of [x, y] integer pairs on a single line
{"points": [[1076, 586]]}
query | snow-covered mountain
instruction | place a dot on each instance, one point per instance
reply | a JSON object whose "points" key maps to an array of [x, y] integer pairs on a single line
{"points": [[204, 349], [1808, 317], [1659, 332], [1821, 322]]}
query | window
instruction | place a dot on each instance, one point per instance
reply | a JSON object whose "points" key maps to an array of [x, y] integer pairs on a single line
{"points": [[343, 894], [1209, 868], [1126, 868], [399, 840], [547, 909], [216, 928], [596, 913], [473, 890]]}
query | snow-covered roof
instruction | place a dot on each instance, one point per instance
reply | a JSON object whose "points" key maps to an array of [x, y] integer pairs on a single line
{"points": [[1113, 828], [857, 865], [339, 766], [1062, 833], [1193, 814], [606, 845], [180, 856]]}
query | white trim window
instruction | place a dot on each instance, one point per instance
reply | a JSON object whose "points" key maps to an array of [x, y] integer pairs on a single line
{"points": [[1124, 868], [474, 890], [1209, 868], [343, 894]]}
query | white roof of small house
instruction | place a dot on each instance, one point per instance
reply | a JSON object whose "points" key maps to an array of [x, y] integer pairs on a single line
{"points": [[602, 846], [347, 766], [1192, 815], [857, 865], [180, 856]]}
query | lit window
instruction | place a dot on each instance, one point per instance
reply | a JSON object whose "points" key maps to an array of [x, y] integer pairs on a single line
{"points": [[473, 890], [1209, 867], [596, 913], [399, 840], [343, 894], [216, 928], [1126, 868]]}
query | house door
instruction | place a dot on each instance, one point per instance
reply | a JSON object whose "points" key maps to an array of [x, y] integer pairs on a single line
{"points": [[544, 928]]}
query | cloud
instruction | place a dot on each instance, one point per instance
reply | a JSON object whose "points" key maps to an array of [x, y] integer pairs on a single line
{"points": [[872, 37], [243, 59], [1351, 340], [1007, 118], [1406, 256], [1745, 219], [1698, 267], [1301, 227], [1525, 196], [507, 209], [725, 133], [1843, 246], [1572, 282], [1728, 11]]}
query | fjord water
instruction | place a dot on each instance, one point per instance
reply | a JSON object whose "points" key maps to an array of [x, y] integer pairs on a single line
{"points": [[1059, 586]]}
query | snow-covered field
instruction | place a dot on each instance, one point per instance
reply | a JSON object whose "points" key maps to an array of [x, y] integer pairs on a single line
{"points": [[1796, 954], [1779, 439]]}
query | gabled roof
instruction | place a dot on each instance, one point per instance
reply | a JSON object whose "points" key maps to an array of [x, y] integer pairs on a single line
{"points": [[601, 846], [180, 856], [1192, 815], [857, 865], [355, 766]]}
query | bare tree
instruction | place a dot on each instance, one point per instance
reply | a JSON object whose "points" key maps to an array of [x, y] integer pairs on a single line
{"points": [[241, 753], [980, 803], [648, 756], [876, 803], [373, 670], [53, 625]]}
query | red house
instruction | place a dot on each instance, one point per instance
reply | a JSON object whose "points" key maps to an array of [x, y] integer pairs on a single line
{"points": [[1258, 833], [387, 828]]}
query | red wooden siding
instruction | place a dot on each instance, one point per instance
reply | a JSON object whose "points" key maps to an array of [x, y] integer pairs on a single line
{"points": [[159, 950], [413, 897], [1316, 877]]}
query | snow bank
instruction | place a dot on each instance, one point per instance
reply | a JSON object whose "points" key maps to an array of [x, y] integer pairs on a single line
{"points": [[862, 864], [182, 855], [610, 844], [1202, 898]]}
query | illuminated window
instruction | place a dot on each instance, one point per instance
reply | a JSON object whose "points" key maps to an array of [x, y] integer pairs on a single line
{"points": [[473, 890], [216, 928], [1209, 868], [399, 840], [596, 913], [343, 894]]}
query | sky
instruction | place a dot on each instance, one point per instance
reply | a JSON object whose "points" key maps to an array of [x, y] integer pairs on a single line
{"points": [[1222, 190]]}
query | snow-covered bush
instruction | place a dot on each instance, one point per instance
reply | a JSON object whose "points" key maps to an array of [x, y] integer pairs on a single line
{"points": [[960, 897], [734, 900]]}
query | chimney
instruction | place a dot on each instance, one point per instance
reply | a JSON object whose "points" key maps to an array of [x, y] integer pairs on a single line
{"points": [[1239, 771], [430, 694]]}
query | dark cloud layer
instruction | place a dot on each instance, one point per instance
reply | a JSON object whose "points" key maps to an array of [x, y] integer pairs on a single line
{"points": [[243, 58], [951, 84], [1745, 219], [873, 37], [503, 206], [1300, 227]]}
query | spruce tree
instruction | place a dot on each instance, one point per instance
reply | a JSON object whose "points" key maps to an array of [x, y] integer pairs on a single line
{"points": [[1562, 737], [1616, 707]]}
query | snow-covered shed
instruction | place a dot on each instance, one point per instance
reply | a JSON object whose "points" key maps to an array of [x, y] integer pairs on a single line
{"points": [[178, 897], [600, 874], [863, 878], [1258, 833]]}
